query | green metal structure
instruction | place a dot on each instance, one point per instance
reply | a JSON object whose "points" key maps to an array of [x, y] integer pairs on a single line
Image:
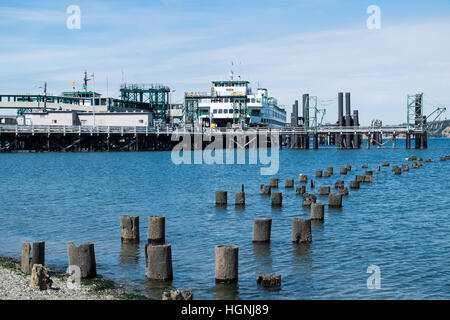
{"points": [[415, 119], [191, 110], [240, 110], [313, 120], [153, 97]]}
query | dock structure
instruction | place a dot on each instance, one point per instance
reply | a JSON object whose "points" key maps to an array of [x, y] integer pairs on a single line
{"points": [[347, 132], [100, 138], [153, 98], [62, 131]]}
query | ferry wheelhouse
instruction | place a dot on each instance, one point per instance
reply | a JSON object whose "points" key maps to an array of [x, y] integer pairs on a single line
{"points": [[233, 102]]}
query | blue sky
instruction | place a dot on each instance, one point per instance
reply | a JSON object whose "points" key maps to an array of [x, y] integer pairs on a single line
{"points": [[291, 47]]}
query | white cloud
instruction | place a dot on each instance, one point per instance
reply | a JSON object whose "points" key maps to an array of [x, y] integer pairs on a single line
{"points": [[379, 67]]}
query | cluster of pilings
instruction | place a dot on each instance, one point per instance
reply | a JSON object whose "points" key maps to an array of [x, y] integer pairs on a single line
{"points": [[301, 141], [347, 140], [300, 227], [158, 254], [115, 142], [85, 142]]}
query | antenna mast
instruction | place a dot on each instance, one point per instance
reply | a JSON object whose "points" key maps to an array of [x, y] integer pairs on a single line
{"points": [[85, 81]]}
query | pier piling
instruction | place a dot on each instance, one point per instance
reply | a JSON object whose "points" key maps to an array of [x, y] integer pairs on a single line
{"points": [[226, 264], [303, 178], [239, 197], [83, 257], [300, 190], [324, 190], [301, 230], [289, 183], [158, 262], [335, 200], [25, 264], [354, 184], [129, 227], [265, 190], [339, 184], [38, 256], [277, 199], [269, 281], [308, 199], [273, 182], [221, 198], [261, 229], [156, 231], [317, 211]]}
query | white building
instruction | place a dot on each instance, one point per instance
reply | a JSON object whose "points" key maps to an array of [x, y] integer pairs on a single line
{"points": [[73, 118]]}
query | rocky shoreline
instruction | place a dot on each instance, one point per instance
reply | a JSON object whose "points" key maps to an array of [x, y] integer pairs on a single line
{"points": [[15, 285]]}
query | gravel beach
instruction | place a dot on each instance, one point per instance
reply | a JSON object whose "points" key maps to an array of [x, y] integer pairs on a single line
{"points": [[16, 286]]}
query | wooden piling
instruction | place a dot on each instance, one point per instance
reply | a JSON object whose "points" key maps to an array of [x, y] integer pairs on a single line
{"points": [[83, 257], [273, 183], [354, 184], [301, 230], [156, 230], [25, 265], [265, 190], [261, 229], [300, 190], [317, 211], [303, 178], [158, 262], [38, 256], [129, 227], [335, 200], [324, 190], [289, 183], [221, 198], [226, 264], [277, 199]]}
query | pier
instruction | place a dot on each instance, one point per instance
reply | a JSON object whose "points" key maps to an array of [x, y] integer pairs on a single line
{"points": [[17, 138]]}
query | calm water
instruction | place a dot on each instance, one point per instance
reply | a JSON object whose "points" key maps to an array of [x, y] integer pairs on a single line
{"points": [[399, 223]]}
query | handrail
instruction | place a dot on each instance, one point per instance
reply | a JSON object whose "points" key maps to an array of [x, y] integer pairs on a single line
{"points": [[55, 129]]}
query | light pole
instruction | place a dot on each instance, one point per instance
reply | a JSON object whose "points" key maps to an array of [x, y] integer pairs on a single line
{"points": [[93, 100], [45, 96]]}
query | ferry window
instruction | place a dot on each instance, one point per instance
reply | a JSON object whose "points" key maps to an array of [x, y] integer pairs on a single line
{"points": [[215, 111], [226, 100], [141, 121], [230, 111], [253, 100], [220, 110]]}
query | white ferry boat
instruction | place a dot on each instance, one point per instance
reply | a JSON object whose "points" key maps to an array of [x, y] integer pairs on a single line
{"points": [[233, 102]]}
